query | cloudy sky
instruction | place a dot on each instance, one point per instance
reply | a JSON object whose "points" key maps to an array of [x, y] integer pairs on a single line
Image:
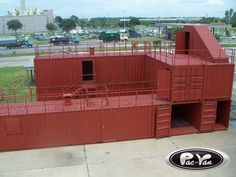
{"points": [[141, 8]]}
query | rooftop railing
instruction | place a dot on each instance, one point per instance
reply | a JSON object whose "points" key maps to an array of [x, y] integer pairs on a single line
{"points": [[164, 52]]}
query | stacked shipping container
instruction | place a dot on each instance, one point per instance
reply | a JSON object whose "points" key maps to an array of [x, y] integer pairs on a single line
{"points": [[189, 97]]}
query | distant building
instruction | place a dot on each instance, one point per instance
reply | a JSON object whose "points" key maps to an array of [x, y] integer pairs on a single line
{"points": [[33, 19]]}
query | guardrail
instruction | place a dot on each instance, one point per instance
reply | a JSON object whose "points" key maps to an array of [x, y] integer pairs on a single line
{"points": [[88, 101], [164, 52]]}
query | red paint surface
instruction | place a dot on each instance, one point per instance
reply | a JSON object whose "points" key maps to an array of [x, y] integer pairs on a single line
{"points": [[134, 94], [58, 129]]}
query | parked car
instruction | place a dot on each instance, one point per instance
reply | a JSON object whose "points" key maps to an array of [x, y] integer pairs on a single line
{"points": [[74, 40], [133, 34], [57, 40], [27, 43], [233, 37]]}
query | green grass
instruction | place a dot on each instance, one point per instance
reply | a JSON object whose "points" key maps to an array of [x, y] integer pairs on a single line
{"points": [[228, 45], [39, 42], [150, 39], [13, 77], [17, 54], [13, 82], [234, 29]]}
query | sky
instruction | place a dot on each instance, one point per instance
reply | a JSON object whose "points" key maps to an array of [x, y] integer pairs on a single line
{"points": [[120, 8]]}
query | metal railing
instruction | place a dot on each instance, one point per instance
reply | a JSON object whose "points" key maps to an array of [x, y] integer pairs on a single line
{"points": [[193, 57], [88, 49], [88, 101], [164, 52]]}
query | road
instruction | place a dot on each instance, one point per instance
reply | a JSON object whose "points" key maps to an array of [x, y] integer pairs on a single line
{"points": [[16, 61], [83, 44]]}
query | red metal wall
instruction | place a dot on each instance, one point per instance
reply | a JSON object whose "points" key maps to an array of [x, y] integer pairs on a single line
{"points": [[180, 43], [107, 69], [207, 122], [163, 121], [187, 83], [58, 129], [56, 72], [151, 67], [218, 81], [204, 44], [115, 69]]}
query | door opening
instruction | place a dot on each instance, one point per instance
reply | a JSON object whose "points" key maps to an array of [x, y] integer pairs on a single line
{"points": [[223, 114], [187, 39], [87, 70]]}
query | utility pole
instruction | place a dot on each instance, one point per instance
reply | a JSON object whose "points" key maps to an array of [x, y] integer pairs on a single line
{"points": [[124, 22]]}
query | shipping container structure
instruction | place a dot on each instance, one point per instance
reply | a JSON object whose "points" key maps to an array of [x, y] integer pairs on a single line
{"points": [[121, 91]]}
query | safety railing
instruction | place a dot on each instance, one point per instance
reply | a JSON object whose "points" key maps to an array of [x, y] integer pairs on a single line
{"points": [[88, 101], [88, 49], [33, 94], [164, 52], [193, 57]]}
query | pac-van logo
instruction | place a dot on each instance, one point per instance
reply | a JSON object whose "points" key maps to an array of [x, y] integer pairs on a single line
{"points": [[197, 159]]}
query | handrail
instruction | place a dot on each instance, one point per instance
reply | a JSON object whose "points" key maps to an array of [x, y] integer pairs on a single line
{"points": [[111, 98]]}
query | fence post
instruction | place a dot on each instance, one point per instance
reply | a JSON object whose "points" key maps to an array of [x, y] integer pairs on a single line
{"points": [[31, 95], [26, 107], [8, 109]]}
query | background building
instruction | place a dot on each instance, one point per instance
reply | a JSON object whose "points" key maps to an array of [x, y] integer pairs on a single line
{"points": [[33, 19]]}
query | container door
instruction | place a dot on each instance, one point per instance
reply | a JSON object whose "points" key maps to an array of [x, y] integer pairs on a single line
{"points": [[163, 83], [163, 121], [207, 123], [109, 126]]}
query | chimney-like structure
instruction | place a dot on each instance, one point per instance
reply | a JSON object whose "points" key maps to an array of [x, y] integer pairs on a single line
{"points": [[22, 5]]}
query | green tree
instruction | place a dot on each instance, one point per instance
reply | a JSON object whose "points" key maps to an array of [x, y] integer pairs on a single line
{"points": [[233, 19], [134, 21], [75, 18], [229, 15], [51, 27], [67, 24], [58, 19], [14, 25]]}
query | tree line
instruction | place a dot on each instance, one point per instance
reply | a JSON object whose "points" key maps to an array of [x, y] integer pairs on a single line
{"points": [[67, 24]]}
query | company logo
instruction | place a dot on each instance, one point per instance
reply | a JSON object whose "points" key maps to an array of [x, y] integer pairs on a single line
{"points": [[197, 159]]}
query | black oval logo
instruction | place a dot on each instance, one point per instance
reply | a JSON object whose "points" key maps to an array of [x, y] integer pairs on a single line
{"points": [[197, 159]]}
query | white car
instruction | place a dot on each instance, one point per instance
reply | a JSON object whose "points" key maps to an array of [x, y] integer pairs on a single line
{"points": [[233, 37]]}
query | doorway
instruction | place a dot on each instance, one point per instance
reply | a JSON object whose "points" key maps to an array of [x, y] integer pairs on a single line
{"points": [[187, 39], [87, 70], [222, 115], [185, 118]]}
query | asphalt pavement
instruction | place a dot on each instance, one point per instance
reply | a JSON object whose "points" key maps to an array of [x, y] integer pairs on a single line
{"points": [[16, 61]]}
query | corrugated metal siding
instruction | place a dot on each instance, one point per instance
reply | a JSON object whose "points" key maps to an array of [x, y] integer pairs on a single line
{"points": [[163, 83], [163, 121], [187, 83], [203, 44], [218, 81], [136, 123], [110, 69], [59, 129], [151, 67], [180, 43], [208, 116], [115, 69]]}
